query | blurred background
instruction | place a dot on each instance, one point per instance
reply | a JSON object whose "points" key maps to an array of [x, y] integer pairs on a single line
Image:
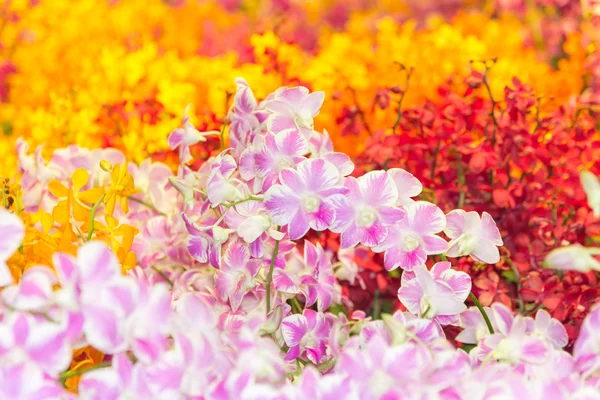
{"points": [[120, 73]]}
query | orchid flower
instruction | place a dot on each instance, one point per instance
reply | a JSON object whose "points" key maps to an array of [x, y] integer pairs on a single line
{"points": [[437, 294], [187, 136], [408, 186], [413, 238], [12, 233], [236, 276], [306, 336], [574, 258], [270, 154], [591, 186], [473, 235], [305, 197], [293, 108], [511, 342], [369, 209], [474, 325], [25, 337]]}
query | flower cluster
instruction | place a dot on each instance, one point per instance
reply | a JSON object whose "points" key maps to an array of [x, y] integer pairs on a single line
{"points": [[227, 297], [125, 87]]}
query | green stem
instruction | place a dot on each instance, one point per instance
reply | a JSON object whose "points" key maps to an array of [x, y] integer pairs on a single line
{"points": [[296, 305], [376, 306], [150, 206], [93, 217], [4, 198], [222, 134], [249, 198], [443, 257], [426, 311], [70, 374], [482, 311], [270, 276], [164, 276]]}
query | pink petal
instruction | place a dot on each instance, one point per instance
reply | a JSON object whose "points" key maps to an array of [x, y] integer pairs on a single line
{"points": [[293, 329], [408, 186], [298, 226], [426, 218], [455, 223], [280, 122], [379, 188], [318, 174], [12, 232], [282, 204], [313, 102], [486, 252], [489, 230], [391, 215], [292, 143], [97, 263], [323, 218]]}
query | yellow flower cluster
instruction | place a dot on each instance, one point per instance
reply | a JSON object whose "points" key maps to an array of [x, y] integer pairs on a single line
{"points": [[119, 73]]}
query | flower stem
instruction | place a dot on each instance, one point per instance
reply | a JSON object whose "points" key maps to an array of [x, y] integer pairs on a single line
{"points": [[164, 276], [70, 374], [150, 206], [296, 305], [93, 217], [482, 311], [270, 276], [249, 198]]}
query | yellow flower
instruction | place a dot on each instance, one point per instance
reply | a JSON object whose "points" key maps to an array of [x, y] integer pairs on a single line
{"points": [[120, 188]]}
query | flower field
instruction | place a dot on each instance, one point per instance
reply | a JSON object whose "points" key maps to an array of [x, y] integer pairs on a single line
{"points": [[300, 199]]}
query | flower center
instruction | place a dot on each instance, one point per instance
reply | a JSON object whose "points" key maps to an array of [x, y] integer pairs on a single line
{"points": [[311, 203], [427, 310], [467, 244], [366, 217], [305, 121], [410, 242]]}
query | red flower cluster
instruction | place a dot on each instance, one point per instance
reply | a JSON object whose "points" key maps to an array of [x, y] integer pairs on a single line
{"points": [[518, 158]]}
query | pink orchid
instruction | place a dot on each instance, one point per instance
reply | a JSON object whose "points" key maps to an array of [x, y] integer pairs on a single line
{"points": [[573, 258], [25, 381], [312, 277], [550, 329], [436, 294], [25, 337], [251, 223], [127, 314], [400, 328], [293, 108], [272, 153], [34, 291], [474, 236], [381, 371], [204, 243], [187, 136], [122, 379], [159, 242], [245, 118], [35, 177], [236, 276], [151, 179], [585, 350], [221, 187], [369, 209], [474, 325], [413, 238], [305, 196], [408, 186], [321, 146], [12, 233], [511, 343], [306, 336]]}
